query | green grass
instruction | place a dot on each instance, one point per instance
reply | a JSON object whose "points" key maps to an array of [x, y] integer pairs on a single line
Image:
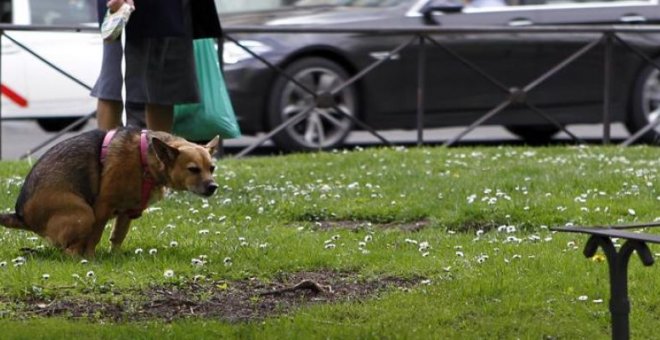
{"points": [[523, 281]]}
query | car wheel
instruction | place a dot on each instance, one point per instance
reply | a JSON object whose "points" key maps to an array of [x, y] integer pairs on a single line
{"points": [[534, 134], [325, 127], [646, 104], [58, 124]]}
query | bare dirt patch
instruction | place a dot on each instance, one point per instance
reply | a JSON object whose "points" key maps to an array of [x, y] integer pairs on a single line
{"points": [[413, 226], [233, 301]]}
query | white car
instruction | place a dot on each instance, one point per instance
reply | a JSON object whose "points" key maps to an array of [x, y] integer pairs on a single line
{"points": [[30, 88]]}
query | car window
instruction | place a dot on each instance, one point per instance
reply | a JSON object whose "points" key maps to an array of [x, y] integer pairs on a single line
{"points": [[62, 12], [571, 2], [226, 6]]}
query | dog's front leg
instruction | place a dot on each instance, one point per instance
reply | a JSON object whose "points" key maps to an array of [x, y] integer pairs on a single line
{"points": [[119, 231]]}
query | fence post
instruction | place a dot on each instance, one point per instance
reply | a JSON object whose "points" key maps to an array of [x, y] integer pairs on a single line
{"points": [[421, 81], [607, 91]]}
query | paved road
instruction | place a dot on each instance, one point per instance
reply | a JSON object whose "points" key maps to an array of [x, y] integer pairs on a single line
{"points": [[21, 137]]}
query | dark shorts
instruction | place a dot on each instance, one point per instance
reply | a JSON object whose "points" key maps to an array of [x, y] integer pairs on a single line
{"points": [[158, 70]]}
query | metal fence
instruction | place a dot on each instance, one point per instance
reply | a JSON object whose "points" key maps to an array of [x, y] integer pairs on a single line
{"points": [[424, 38]]}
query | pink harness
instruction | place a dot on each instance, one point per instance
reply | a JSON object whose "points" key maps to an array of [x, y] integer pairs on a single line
{"points": [[148, 182]]}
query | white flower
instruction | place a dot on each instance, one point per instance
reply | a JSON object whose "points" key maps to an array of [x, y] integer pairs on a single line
{"points": [[460, 254], [411, 241], [263, 246], [138, 251], [174, 244], [83, 261], [45, 276], [631, 212], [330, 246], [168, 273], [425, 254], [3, 264], [598, 301], [362, 244], [368, 238], [197, 262], [90, 274], [583, 298], [227, 261], [153, 251], [203, 232], [426, 282]]}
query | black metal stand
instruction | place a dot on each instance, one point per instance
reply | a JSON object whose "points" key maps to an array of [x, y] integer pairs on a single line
{"points": [[618, 266]]}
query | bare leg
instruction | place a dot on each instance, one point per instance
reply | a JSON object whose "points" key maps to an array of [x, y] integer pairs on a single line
{"points": [[108, 114], [159, 117]]}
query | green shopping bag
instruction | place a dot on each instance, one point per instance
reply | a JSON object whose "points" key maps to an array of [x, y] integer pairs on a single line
{"points": [[214, 115]]}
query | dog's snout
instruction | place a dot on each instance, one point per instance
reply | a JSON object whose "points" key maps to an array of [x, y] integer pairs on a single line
{"points": [[211, 187]]}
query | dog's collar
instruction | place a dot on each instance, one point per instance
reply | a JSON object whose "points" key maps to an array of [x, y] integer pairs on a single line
{"points": [[148, 182]]}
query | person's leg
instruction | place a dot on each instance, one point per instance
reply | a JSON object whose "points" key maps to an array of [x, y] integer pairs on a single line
{"points": [[159, 117], [108, 87], [108, 114]]}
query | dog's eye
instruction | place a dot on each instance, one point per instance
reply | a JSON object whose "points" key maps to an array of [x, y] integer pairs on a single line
{"points": [[212, 168], [194, 170]]}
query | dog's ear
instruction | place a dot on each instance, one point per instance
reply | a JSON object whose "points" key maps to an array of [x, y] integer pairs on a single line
{"points": [[212, 146], [164, 152]]}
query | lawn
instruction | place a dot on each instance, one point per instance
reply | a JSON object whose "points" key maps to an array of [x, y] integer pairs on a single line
{"points": [[398, 243]]}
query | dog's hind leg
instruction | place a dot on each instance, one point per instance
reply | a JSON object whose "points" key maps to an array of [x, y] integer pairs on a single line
{"points": [[119, 231], [70, 230]]}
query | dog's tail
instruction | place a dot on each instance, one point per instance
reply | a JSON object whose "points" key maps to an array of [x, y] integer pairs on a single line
{"points": [[12, 221]]}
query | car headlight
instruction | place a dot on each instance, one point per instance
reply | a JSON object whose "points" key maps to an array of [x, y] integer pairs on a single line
{"points": [[232, 53]]}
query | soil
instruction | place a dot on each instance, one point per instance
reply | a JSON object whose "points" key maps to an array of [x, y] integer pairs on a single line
{"points": [[232, 301]]}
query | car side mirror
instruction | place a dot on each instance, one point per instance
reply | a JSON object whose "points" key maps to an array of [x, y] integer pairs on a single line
{"points": [[442, 6]]}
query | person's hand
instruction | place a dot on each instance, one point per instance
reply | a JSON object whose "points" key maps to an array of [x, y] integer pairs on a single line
{"points": [[114, 5]]}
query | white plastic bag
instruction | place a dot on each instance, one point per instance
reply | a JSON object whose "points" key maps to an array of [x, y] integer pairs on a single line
{"points": [[113, 23]]}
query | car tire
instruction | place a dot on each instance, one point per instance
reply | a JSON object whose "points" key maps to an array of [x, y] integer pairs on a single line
{"points": [[645, 104], [534, 134], [59, 124], [324, 128]]}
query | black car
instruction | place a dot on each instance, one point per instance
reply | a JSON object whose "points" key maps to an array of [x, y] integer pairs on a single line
{"points": [[455, 94]]}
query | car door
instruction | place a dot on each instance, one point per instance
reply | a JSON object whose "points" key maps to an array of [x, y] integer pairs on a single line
{"points": [[452, 88], [515, 59], [48, 92], [581, 83]]}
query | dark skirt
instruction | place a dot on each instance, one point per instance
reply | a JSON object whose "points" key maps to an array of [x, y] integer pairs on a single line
{"points": [[158, 70]]}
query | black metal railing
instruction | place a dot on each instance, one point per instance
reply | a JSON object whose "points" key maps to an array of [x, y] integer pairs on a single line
{"points": [[425, 38], [606, 36]]}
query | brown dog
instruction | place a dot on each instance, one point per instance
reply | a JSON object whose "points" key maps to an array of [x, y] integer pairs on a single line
{"points": [[81, 183]]}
